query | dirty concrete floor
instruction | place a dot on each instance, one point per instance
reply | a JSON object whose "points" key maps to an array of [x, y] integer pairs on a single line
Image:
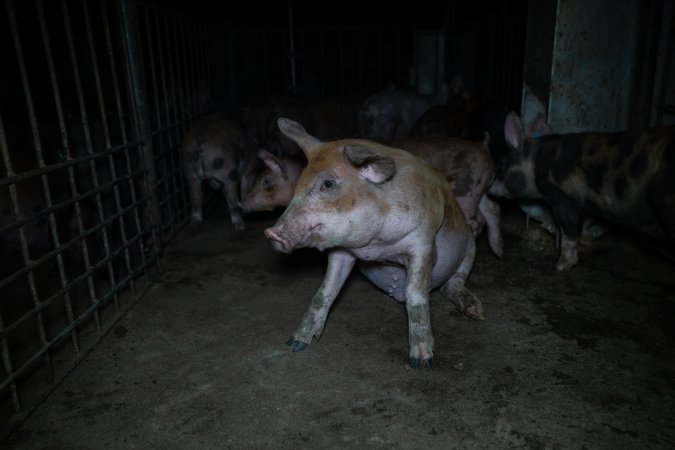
{"points": [[584, 359]]}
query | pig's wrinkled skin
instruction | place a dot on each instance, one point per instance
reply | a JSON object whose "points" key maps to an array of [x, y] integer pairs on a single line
{"points": [[391, 212], [469, 170], [217, 151], [274, 186], [626, 178], [392, 113]]}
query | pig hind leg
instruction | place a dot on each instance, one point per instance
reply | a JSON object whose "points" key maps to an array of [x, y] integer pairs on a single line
{"points": [[455, 290], [492, 214], [196, 198]]}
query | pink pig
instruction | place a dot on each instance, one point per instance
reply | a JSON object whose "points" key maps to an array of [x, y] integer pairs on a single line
{"points": [[391, 212]]}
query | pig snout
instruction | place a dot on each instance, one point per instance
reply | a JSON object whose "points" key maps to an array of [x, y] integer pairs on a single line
{"points": [[276, 236]]}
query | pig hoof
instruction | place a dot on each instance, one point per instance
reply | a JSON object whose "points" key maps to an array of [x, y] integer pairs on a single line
{"points": [[296, 346], [415, 363], [469, 304]]}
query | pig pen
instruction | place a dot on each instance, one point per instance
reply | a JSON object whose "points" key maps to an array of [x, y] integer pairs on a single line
{"points": [[582, 359]]}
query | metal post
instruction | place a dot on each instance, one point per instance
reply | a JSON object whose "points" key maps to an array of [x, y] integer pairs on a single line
{"points": [[140, 114]]}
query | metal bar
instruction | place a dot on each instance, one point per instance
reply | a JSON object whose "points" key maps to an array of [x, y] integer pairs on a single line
{"points": [[106, 136], [178, 131], [12, 188], [62, 126], [82, 277], [13, 377], [4, 347], [140, 114], [136, 144], [35, 263], [162, 137], [122, 125], [92, 166]]}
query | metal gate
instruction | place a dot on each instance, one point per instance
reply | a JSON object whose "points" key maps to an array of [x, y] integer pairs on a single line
{"points": [[95, 97]]}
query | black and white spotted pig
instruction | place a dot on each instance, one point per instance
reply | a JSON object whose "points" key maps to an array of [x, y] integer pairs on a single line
{"points": [[389, 210], [218, 152], [626, 178]]}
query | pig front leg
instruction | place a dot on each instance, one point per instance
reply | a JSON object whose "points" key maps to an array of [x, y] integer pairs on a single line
{"points": [[420, 338], [340, 264]]}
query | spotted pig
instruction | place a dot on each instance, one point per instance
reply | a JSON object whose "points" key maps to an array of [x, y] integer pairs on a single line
{"points": [[625, 178], [216, 151]]}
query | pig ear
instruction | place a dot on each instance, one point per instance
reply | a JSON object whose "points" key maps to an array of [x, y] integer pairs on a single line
{"points": [[297, 133], [539, 126], [275, 164], [374, 166], [514, 131]]}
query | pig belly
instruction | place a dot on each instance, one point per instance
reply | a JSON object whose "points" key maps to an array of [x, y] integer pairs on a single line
{"points": [[391, 277]]}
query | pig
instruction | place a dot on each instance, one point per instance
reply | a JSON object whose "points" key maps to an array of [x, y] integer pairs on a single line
{"points": [[449, 119], [392, 113], [466, 165], [468, 168], [275, 184], [623, 177], [217, 151], [388, 210]]}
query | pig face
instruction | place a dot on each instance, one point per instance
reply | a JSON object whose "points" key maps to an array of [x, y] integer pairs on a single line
{"points": [[333, 189], [274, 186], [514, 173]]}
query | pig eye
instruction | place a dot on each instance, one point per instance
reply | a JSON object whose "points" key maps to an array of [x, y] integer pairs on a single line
{"points": [[265, 181], [327, 184]]}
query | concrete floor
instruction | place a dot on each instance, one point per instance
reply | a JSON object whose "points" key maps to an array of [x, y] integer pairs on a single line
{"points": [[584, 359]]}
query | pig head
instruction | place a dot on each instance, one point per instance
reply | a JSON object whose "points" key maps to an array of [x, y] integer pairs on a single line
{"points": [[391, 212], [625, 178], [274, 186]]}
